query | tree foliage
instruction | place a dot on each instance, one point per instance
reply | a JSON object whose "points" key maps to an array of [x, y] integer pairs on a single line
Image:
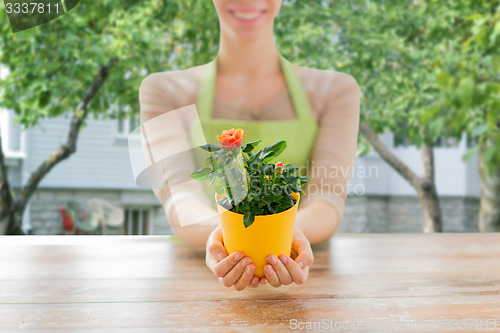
{"points": [[51, 66], [469, 82], [426, 68]]}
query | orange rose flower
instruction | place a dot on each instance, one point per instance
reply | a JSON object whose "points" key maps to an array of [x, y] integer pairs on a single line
{"points": [[231, 138]]}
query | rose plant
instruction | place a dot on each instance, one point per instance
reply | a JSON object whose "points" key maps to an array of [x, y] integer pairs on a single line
{"points": [[249, 183]]}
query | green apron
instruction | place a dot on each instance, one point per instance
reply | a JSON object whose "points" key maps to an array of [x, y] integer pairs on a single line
{"points": [[299, 133]]}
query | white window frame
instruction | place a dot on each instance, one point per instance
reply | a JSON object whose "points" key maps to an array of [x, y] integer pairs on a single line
{"points": [[124, 123], [142, 211], [6, 124]]}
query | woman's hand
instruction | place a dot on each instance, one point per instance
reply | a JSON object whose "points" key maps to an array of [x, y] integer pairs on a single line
{"points": [[233, 270], [286, 270]]}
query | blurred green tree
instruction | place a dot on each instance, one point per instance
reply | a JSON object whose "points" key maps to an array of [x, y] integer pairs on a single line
{"points": [[469, 100], [396, 50], [87, 62]]}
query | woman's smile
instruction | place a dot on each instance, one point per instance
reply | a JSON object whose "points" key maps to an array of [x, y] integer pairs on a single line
{"points": [[247, 16], [247, 19]]}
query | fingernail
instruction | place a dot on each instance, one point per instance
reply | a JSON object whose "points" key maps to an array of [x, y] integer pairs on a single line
{"points": [[283, 259], [246, 262], [272, 260], [300, 264], [238, 256], [250, 270], [221, 256], [269, 271]]}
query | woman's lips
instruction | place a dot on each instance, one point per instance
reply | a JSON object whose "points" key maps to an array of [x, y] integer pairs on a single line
{"points": [[247, 16]]}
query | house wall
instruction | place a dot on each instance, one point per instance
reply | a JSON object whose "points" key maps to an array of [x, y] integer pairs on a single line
{"points": [[453, 176], [402, 214], [101, 160]]}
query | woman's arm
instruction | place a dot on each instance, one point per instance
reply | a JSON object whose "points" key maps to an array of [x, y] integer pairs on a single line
{"points": [[318, 220], [194, 209], [164, 128], [333, 157]]}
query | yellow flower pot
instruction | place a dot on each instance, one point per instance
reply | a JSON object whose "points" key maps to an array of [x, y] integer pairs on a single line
{"points": [[269, 234]]}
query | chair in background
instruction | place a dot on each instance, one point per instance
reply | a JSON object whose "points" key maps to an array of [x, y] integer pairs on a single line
{"points": [[68, 226], [110, 216], [86, 223]]}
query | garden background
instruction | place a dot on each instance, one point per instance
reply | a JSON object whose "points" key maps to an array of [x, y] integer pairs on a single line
{"points": [[429, 73]]}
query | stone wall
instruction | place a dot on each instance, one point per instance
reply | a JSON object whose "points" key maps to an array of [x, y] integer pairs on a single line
{"points": [[382, 214], [370, 214]]}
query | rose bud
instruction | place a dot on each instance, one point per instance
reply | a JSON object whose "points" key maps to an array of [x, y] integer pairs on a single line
{"points": [[278, 168]]}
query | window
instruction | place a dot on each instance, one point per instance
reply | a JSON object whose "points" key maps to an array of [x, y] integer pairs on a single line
{"points": [[13, 137], [126, 124], [472, 141], [401, 141], [137, 221], [445, 142]]}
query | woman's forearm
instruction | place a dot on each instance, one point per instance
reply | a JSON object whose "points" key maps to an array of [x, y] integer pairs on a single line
{"points": [[191, 210], [318, 220]]}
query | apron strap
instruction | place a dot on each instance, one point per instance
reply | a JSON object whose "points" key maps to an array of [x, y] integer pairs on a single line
{"points": [[296, 90], [206, 94]]}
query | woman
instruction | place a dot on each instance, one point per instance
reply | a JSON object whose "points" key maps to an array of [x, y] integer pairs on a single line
{"points": [[251, 83]]}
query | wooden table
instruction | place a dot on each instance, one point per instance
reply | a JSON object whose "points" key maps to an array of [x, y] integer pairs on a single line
{"points": [[154, 283]]}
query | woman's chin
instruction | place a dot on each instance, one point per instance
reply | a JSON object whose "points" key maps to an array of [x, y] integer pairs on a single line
{"points": [[250, 32], [250, 28]]}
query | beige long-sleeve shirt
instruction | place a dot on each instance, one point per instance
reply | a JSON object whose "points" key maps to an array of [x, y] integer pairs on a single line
{"points": [[334, 98]]}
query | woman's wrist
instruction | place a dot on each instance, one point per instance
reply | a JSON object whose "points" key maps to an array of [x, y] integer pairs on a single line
{"points": [[318, 220]]}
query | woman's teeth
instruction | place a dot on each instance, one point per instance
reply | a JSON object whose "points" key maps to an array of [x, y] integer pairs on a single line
{"points": [[246, 16]]}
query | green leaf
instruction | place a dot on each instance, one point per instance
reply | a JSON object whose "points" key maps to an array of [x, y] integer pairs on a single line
{"points": [[44, 99], [468, 155], [273, 208], [219, 190], [466, 89], [294, 185], [495, 33], [443, 79], [436, 127], [250, 146], [291, 169], [272, 198], [272, 151], [211, 147], [304, 180], [202, 175], [248, 219], [479, 130], [473, 17], [489, 154]]}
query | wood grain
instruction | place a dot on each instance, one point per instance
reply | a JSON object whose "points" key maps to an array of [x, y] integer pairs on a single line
{"points": [[152, 283]]}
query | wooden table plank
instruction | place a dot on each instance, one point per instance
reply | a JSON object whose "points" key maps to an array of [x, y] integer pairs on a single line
{"points": [[109, 282], [244, 313]]}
